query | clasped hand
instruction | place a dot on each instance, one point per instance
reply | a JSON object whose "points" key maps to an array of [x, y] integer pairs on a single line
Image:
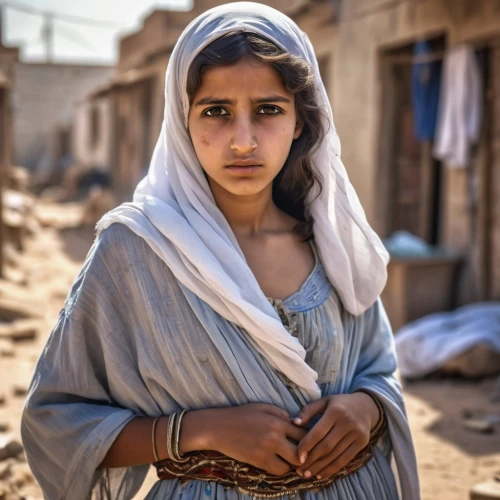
{"points": [[339, 435], [265, 436]]}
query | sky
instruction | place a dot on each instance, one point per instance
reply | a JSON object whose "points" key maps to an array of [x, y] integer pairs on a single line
{"points": [[77, 42]]}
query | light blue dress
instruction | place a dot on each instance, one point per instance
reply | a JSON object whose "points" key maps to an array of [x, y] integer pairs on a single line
{"points": [[132, 341]]}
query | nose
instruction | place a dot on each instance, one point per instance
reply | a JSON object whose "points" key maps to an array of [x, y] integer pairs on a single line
{"points": [[243, 140]]}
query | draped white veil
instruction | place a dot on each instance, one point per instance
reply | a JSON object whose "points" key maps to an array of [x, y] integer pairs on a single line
{"points": [[174, 211]]}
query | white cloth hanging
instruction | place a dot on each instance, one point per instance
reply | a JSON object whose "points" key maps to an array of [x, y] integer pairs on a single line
{"points": [[460, 108]]}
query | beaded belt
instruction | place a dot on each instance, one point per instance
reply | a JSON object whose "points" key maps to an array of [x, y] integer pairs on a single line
{"points": [[249, 480]]}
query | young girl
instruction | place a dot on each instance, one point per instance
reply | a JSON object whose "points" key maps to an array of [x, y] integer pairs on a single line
{"points": [[226, 325]]}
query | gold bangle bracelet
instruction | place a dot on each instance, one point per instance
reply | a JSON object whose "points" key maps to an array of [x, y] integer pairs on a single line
{"points": [[154, 439], [177, 455], [170, 431]]}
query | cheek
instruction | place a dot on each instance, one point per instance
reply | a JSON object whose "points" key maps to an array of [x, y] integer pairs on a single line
{"points": [[208, 147], [281, 128], [276, 139], [205, 138]]}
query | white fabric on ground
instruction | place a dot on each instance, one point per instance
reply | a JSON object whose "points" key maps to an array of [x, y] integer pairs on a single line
{"points": [[425, 345]]}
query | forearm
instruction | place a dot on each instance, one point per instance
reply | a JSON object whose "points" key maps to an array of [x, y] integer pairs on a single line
{"points": [[134, 444]]}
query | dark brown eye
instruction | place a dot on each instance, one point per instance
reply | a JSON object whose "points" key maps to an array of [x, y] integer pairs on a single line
{"points": [[215, 111], [269, 110]]}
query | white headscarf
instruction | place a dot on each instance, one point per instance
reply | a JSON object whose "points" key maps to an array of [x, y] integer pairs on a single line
{"points": [[174, 211]]}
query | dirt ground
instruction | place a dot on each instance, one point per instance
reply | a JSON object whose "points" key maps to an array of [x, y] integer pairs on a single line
{"points": [[451, 459]]}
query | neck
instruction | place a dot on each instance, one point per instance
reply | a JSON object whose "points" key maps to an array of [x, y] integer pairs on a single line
{"points": [[247, 215]]}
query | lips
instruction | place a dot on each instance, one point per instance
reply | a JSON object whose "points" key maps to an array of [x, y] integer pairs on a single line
{"points": [[243, 167]]}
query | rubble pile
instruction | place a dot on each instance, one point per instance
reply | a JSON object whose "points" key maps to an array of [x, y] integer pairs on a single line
{"points": [[18, 207], [38, 272]]}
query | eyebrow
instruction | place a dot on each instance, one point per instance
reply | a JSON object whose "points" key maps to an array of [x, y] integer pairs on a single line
{"points": [[261, 100]]}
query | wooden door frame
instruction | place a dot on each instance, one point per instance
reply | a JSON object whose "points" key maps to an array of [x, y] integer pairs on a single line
{"points": [[385, 188]]}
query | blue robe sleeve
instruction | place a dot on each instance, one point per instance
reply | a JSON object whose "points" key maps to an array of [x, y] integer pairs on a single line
{"points": [[376, 372]]}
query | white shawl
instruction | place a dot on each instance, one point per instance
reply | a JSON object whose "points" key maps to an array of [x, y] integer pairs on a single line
{"points": [[174, 211]]}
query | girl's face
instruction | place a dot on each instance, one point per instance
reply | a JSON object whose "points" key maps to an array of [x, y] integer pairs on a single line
{"points": [[242, 124]]}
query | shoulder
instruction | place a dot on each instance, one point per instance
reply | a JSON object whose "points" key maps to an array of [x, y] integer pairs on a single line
{"points": [[118, 254], [120, 265], [130, 259], [119, 249], [118, 240]]}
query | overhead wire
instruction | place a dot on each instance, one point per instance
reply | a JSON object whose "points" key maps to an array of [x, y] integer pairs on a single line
{"points": [[58, 15], [50, 18], [75, 38]]}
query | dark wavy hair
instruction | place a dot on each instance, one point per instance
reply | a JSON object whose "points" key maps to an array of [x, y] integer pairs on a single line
{"points": [[297, 178]]}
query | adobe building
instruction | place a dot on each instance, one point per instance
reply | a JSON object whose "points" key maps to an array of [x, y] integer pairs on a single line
{"points": [[366, 52], [8, 58]]}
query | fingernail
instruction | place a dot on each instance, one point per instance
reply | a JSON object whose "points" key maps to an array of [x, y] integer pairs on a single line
{"points": [[318, 476], [303, 458], [307, 473], [297, 421]]}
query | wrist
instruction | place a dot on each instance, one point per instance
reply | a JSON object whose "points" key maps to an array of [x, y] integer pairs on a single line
{"points": [[197, 431], [372, 411]]}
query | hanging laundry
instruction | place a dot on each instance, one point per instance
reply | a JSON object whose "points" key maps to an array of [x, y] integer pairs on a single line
{"points": [[460, 107], [425, 85]]}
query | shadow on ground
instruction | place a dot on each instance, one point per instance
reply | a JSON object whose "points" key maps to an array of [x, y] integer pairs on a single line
{"points": [[451, 397]]}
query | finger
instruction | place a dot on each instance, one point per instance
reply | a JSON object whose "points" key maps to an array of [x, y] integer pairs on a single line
{"points": [[288, 452], [295, 433], [314, 436], [276, 411], [326, 445], [308, 411], [277, 466], [319, 465], [340, 462]]}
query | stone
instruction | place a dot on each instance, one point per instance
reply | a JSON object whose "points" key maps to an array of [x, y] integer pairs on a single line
{"points": [[17, 302], [481, 425], [12, 309], [15, 276], [5, 467], [22, 378], [20, 475], [22, 329], [7, 348], [9, 447], [486, 491], [20, 388], [481, 360], [4, 492]]}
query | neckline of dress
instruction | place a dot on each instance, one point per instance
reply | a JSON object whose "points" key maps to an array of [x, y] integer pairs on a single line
{"points": [[306, 282]]}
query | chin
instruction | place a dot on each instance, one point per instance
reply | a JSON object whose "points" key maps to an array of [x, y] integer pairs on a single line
{"points": [[244, 190], [239, 187]]}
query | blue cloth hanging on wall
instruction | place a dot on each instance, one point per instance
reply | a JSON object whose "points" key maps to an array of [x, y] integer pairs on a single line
{"points": [[426, 83]]}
